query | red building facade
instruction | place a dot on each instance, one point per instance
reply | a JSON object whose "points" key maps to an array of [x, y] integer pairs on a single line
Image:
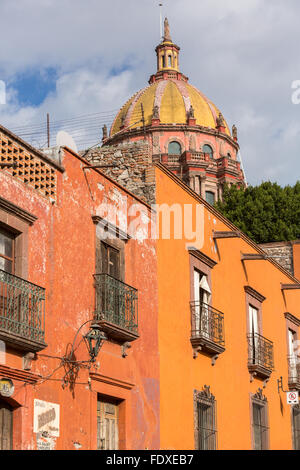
{"points": [[66, 271]]}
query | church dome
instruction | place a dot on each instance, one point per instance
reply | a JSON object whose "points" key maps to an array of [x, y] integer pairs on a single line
{"points": [[173, 98]]}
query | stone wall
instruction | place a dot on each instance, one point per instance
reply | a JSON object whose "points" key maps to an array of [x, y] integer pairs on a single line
{"points": [[282, 252], [132, 167]]}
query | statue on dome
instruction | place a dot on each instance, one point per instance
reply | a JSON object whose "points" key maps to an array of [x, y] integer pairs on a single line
{"points": [[234, 132], [191, 113], [104, 131], [167, 35], [220, 121], [155, 114]]}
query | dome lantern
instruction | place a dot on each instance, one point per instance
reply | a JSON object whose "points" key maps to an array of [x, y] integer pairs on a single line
{"points": [[167, 58]]}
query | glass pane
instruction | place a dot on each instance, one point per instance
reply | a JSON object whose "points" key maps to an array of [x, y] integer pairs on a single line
{"points": [[174, 148], [257, 427], [210, 198], [208, 150], [6, 265], [6, 244], [296, 428]]}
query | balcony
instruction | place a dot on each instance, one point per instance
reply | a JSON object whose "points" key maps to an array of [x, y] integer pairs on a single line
{"points": [[294, 372], [208, 333], [116, 308], [260, 356], [22, 313]]}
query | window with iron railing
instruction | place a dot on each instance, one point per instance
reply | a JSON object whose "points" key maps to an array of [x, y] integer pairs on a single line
{"points": [[296, 427], [22, 309], [207, 323], [260, 352], [260, 422], [294, 371], [116, 303], [205, 415]]}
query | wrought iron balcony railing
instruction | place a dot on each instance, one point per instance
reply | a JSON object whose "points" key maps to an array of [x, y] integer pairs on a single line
{"points": [[294, 371], [260, 355], [22, 312], [208, 332], [116, 307]]}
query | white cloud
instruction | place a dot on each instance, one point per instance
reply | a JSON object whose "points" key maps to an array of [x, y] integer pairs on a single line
{"points": [[242, 54]]}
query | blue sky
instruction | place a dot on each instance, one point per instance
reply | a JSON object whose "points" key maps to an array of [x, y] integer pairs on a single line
{"points": [[33, 86], [72, 57]]}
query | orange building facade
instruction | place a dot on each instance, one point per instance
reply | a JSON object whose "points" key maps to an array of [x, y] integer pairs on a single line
{"points": [[228, 323]]}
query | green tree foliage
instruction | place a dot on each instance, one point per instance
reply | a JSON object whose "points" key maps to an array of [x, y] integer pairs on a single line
{"points": [[266, 213]]}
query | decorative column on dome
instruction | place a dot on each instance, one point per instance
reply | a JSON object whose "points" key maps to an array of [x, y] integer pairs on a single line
{"points": [[234, 133], [220, 123], [104, 132]]}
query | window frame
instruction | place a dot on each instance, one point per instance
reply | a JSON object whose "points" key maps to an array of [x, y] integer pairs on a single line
{"points": [[260, 400], [205, 398], [179, 147], [12, 236], [16, 220], [293, 408], [254, 299], [211, 193], [211, 153]]}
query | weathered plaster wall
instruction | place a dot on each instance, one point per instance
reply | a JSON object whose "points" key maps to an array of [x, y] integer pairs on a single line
{"points": [[62, 249]]}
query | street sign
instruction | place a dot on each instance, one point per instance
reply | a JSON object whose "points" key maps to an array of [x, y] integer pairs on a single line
{"points": [[292, 398]]}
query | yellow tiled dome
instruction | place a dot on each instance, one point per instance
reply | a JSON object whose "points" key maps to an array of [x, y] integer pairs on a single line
{"points": [[173, 99]]}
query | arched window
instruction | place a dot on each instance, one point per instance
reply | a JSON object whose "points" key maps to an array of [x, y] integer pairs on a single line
{"points": [[229, 155], [210, 197], [208, 150], [169, 61], [163, 61], [174, 148]]}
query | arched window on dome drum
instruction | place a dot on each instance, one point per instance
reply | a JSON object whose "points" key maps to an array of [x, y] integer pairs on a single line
{"points": [[163, 62], [229, 155], [210, 197], [208, 150], [169, 61], [174, 148]]}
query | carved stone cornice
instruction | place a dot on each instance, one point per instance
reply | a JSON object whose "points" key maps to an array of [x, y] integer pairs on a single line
{"points": [[259, 396], [292, 318], [17, 374], [202, 257], [109, 227], [253, 293], [205, 395], [8, 206]]}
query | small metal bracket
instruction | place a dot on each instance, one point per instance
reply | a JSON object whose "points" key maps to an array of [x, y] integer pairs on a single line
{"points": [[280, 385], [214, 359], [252, 376], [196, 351], [27, 360], [266, 382], [125, 347]]}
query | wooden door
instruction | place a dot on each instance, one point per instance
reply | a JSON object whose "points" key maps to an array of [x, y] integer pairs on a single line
{"points": [[6, 423], [107, 426]]}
